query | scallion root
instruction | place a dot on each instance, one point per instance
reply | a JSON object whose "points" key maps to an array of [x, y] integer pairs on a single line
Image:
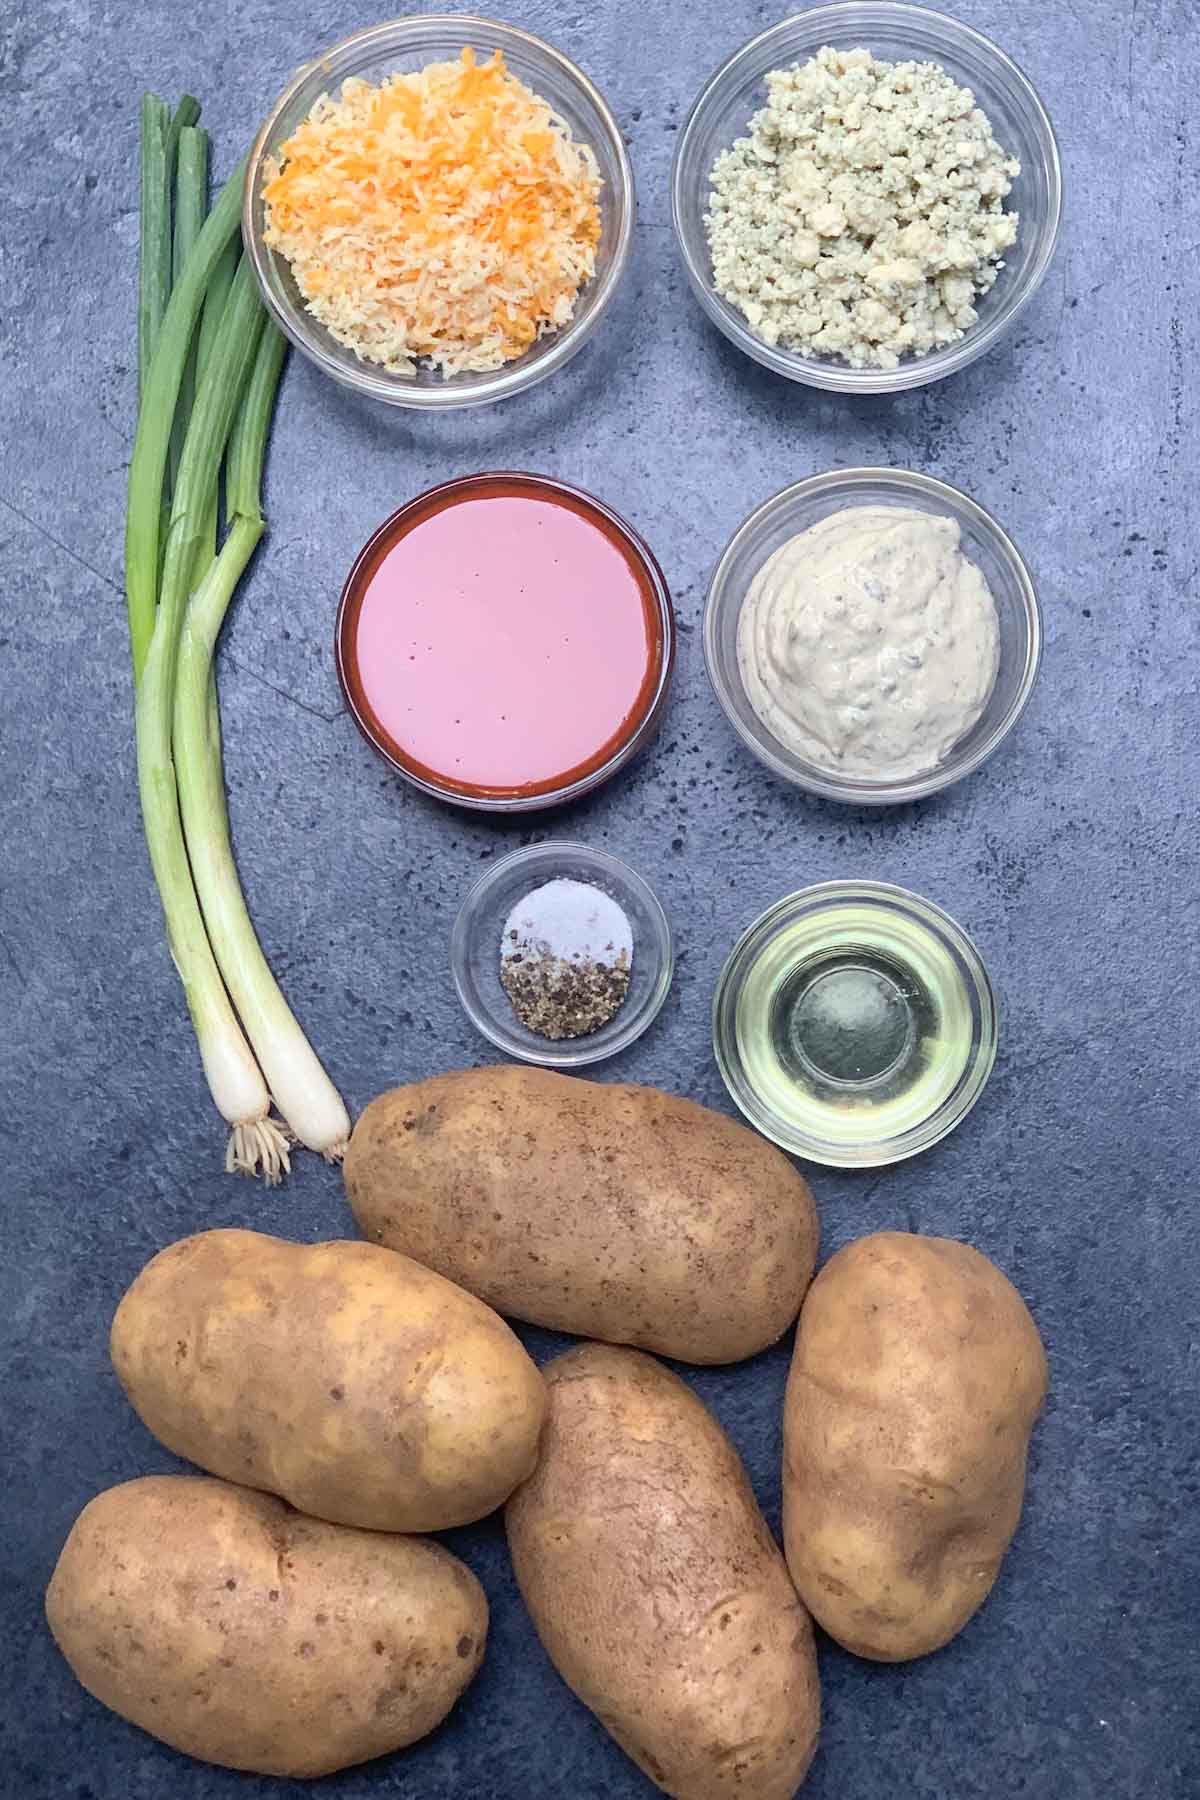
{"points": [[260, 1147]]}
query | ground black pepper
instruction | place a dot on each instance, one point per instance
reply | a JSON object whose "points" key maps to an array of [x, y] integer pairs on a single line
{"points": [[560, 999]]}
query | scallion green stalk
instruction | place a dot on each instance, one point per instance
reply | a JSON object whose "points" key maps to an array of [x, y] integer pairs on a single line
{"points": [[160, 396], [299, 1085], [191, 204], [186, 113], [215, 297], [161, 134], [248, 442], [213, 415], [210, 324], [154, 254]]}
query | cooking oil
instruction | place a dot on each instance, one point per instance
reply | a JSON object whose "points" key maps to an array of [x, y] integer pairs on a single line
{"points": [[855, 1024]]}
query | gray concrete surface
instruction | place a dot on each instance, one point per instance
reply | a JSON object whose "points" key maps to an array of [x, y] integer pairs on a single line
{"points": [[1072, 859]]}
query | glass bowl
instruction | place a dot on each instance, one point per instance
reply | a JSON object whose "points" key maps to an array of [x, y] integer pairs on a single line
{"points": [[407, 44], [894, 33], [475, 952], [983, 542], [906, 949]]}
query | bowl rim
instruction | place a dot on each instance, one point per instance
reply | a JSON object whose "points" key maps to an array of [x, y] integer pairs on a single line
{"points": [[828, 374], [849, 790], [622, 874], [491, 385], [656, 586], [953, 1110]]}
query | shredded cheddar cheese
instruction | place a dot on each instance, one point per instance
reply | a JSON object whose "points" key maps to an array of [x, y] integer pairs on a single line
{"points": [[446, 216]]}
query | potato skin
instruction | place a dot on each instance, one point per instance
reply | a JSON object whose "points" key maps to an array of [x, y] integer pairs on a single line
{"points": [[243, 1633], [657, 1588], [916, 1379], [361, 1387], [612, 1212]]}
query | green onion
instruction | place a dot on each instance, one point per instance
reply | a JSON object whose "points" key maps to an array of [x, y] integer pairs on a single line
{"points": [[191, 204], [154, 261], [233, 1075], [299, 1085], [160, 396], [209, 370]]}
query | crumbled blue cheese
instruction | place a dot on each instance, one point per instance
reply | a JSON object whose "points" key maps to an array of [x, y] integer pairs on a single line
{"points": [[863, 216]]}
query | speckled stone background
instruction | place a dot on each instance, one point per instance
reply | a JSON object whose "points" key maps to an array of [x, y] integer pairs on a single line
{"points": [[1072, 859]]}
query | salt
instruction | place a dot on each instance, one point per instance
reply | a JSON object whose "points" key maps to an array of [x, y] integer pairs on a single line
{"points": [[571, 920]]}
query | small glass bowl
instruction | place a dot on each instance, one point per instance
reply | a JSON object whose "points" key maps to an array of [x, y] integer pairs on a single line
{"points": [[894, 33], [476, 941], [910, 913], [407, 44], [983, 542]]}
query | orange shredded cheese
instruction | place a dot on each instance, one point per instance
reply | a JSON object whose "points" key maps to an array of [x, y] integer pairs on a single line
{"points": [[445, 216]]}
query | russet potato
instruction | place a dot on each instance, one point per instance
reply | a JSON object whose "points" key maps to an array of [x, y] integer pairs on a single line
{"points": [[612, 1212], [915, 1382], [657, 1588], [358, 1385], [243, 1633]]}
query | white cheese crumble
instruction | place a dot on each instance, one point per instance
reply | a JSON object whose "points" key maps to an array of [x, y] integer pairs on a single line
{"points": [[863, 215]]}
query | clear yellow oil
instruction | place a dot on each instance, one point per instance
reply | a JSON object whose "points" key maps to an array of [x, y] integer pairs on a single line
{"points": [[854, 1024]]}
